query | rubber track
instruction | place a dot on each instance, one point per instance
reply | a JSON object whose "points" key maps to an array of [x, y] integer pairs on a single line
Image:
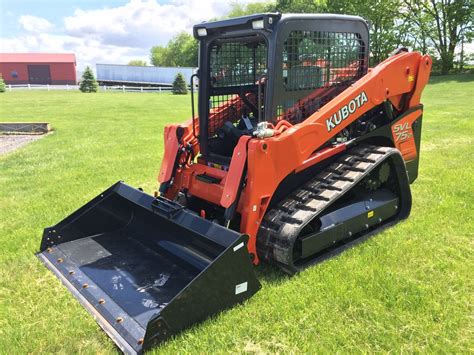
{"points": [[283, 224]]}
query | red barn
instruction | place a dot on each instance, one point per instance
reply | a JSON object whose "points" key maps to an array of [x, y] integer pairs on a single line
{"points": [[38, 68]]}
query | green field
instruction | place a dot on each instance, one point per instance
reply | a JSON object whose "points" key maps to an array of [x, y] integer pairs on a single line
{"points": [[408, 289]]}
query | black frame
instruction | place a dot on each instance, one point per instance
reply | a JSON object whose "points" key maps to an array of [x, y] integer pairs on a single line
{"points": [[218, 94], [204, 79]]}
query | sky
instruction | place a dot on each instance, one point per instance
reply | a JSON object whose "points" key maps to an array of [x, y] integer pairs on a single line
{"points": [[101, 31]]}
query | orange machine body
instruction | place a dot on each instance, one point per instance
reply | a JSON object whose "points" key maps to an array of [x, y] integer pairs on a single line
{"points": [[294, 148]]}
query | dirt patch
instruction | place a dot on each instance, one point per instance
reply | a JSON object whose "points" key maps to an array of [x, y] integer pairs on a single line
{"points": [[9, 143]]}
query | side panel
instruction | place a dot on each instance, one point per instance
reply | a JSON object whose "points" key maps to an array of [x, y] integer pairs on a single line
{"points": [[404, 133], [404, 137]]}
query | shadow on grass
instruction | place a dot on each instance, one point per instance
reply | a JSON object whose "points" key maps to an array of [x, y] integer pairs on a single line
{"points": [[267, 273], [460, 78]]}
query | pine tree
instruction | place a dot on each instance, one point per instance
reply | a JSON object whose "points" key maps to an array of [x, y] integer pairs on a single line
{"points": [[179, 85], [2, 85], [88, 82]]}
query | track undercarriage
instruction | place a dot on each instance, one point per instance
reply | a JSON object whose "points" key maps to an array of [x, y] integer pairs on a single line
{"points": [[362, 191]]}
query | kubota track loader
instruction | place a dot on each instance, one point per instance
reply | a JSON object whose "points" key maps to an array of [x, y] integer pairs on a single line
{"points": [[297, 150]]}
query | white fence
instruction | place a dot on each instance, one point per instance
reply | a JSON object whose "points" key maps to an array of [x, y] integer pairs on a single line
{"points": [[124, 88], [41, 87], [116, 88]]}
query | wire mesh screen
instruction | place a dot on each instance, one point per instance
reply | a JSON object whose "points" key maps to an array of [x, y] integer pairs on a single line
{"points": [[323, 63], [316, 59], [236, 65], [297, 110], [231, 108], [223, 108]]}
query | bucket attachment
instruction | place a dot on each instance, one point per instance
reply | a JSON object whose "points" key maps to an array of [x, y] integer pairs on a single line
{"points": [[145, 267]]}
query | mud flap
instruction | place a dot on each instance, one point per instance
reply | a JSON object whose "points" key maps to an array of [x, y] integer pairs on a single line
{"points": [[147, 268]]}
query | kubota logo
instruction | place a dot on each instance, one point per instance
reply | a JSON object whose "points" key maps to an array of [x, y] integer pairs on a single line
{"points": [[346, 111]]}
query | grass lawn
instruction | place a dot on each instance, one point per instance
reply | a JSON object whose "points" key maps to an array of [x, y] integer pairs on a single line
{"points": [[407, 289]]}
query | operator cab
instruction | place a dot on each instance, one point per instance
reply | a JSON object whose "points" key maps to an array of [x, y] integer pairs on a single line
{"points": [[271, 67]]}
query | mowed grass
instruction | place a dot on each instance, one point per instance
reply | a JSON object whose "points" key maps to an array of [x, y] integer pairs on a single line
{"points": [[407, 289]]}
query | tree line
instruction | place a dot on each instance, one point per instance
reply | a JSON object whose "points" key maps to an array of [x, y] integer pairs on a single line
{"points": [[436, 27]]}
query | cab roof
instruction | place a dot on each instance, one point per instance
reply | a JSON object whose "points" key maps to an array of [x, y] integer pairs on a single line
{"points": [[270, 21]]}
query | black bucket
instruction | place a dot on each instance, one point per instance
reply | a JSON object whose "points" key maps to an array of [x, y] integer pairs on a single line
{"points": [[145, 267]]}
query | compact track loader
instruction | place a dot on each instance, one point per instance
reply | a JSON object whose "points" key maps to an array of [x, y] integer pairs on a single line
{"points": [[296, 151]]}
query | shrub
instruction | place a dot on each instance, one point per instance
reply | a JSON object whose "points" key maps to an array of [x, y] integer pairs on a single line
{"points": [[179, 85], [2, 85], [88, 82]]}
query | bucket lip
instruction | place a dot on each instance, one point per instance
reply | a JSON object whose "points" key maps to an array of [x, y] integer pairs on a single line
{"points": [[106, 326]]}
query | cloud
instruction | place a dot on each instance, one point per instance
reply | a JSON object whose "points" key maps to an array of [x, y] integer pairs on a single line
{"points": [[114, 35], [34, 23], [142, 23]]}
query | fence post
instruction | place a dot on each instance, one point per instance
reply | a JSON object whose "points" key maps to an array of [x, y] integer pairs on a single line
{"points": [[67, 87], [10, 87], [47, 86], [29, 86], [141, 89], [123, 88], [105, 87], [159, 89]]}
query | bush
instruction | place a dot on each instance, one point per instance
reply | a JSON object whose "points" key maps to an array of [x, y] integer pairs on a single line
{"points": [[88, 82], [2, 85], [179, 85]]}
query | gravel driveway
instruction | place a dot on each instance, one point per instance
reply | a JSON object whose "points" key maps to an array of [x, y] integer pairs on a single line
{"points": [[9, 143]]}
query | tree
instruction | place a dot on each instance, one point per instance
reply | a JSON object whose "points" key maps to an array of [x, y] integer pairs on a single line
{"points": [[381, 14], [181, 51], [301, 6], [179, 85], [137, 63], [88, 82], [444, 23], [159, 56], [387, 30], [249, 9], [2, 85]]}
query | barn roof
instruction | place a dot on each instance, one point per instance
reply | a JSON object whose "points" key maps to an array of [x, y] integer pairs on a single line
{"points": [[37, 58]]}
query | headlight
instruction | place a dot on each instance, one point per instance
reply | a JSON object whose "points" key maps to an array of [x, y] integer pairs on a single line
{"points": [[202, 32], [257, 25]]}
